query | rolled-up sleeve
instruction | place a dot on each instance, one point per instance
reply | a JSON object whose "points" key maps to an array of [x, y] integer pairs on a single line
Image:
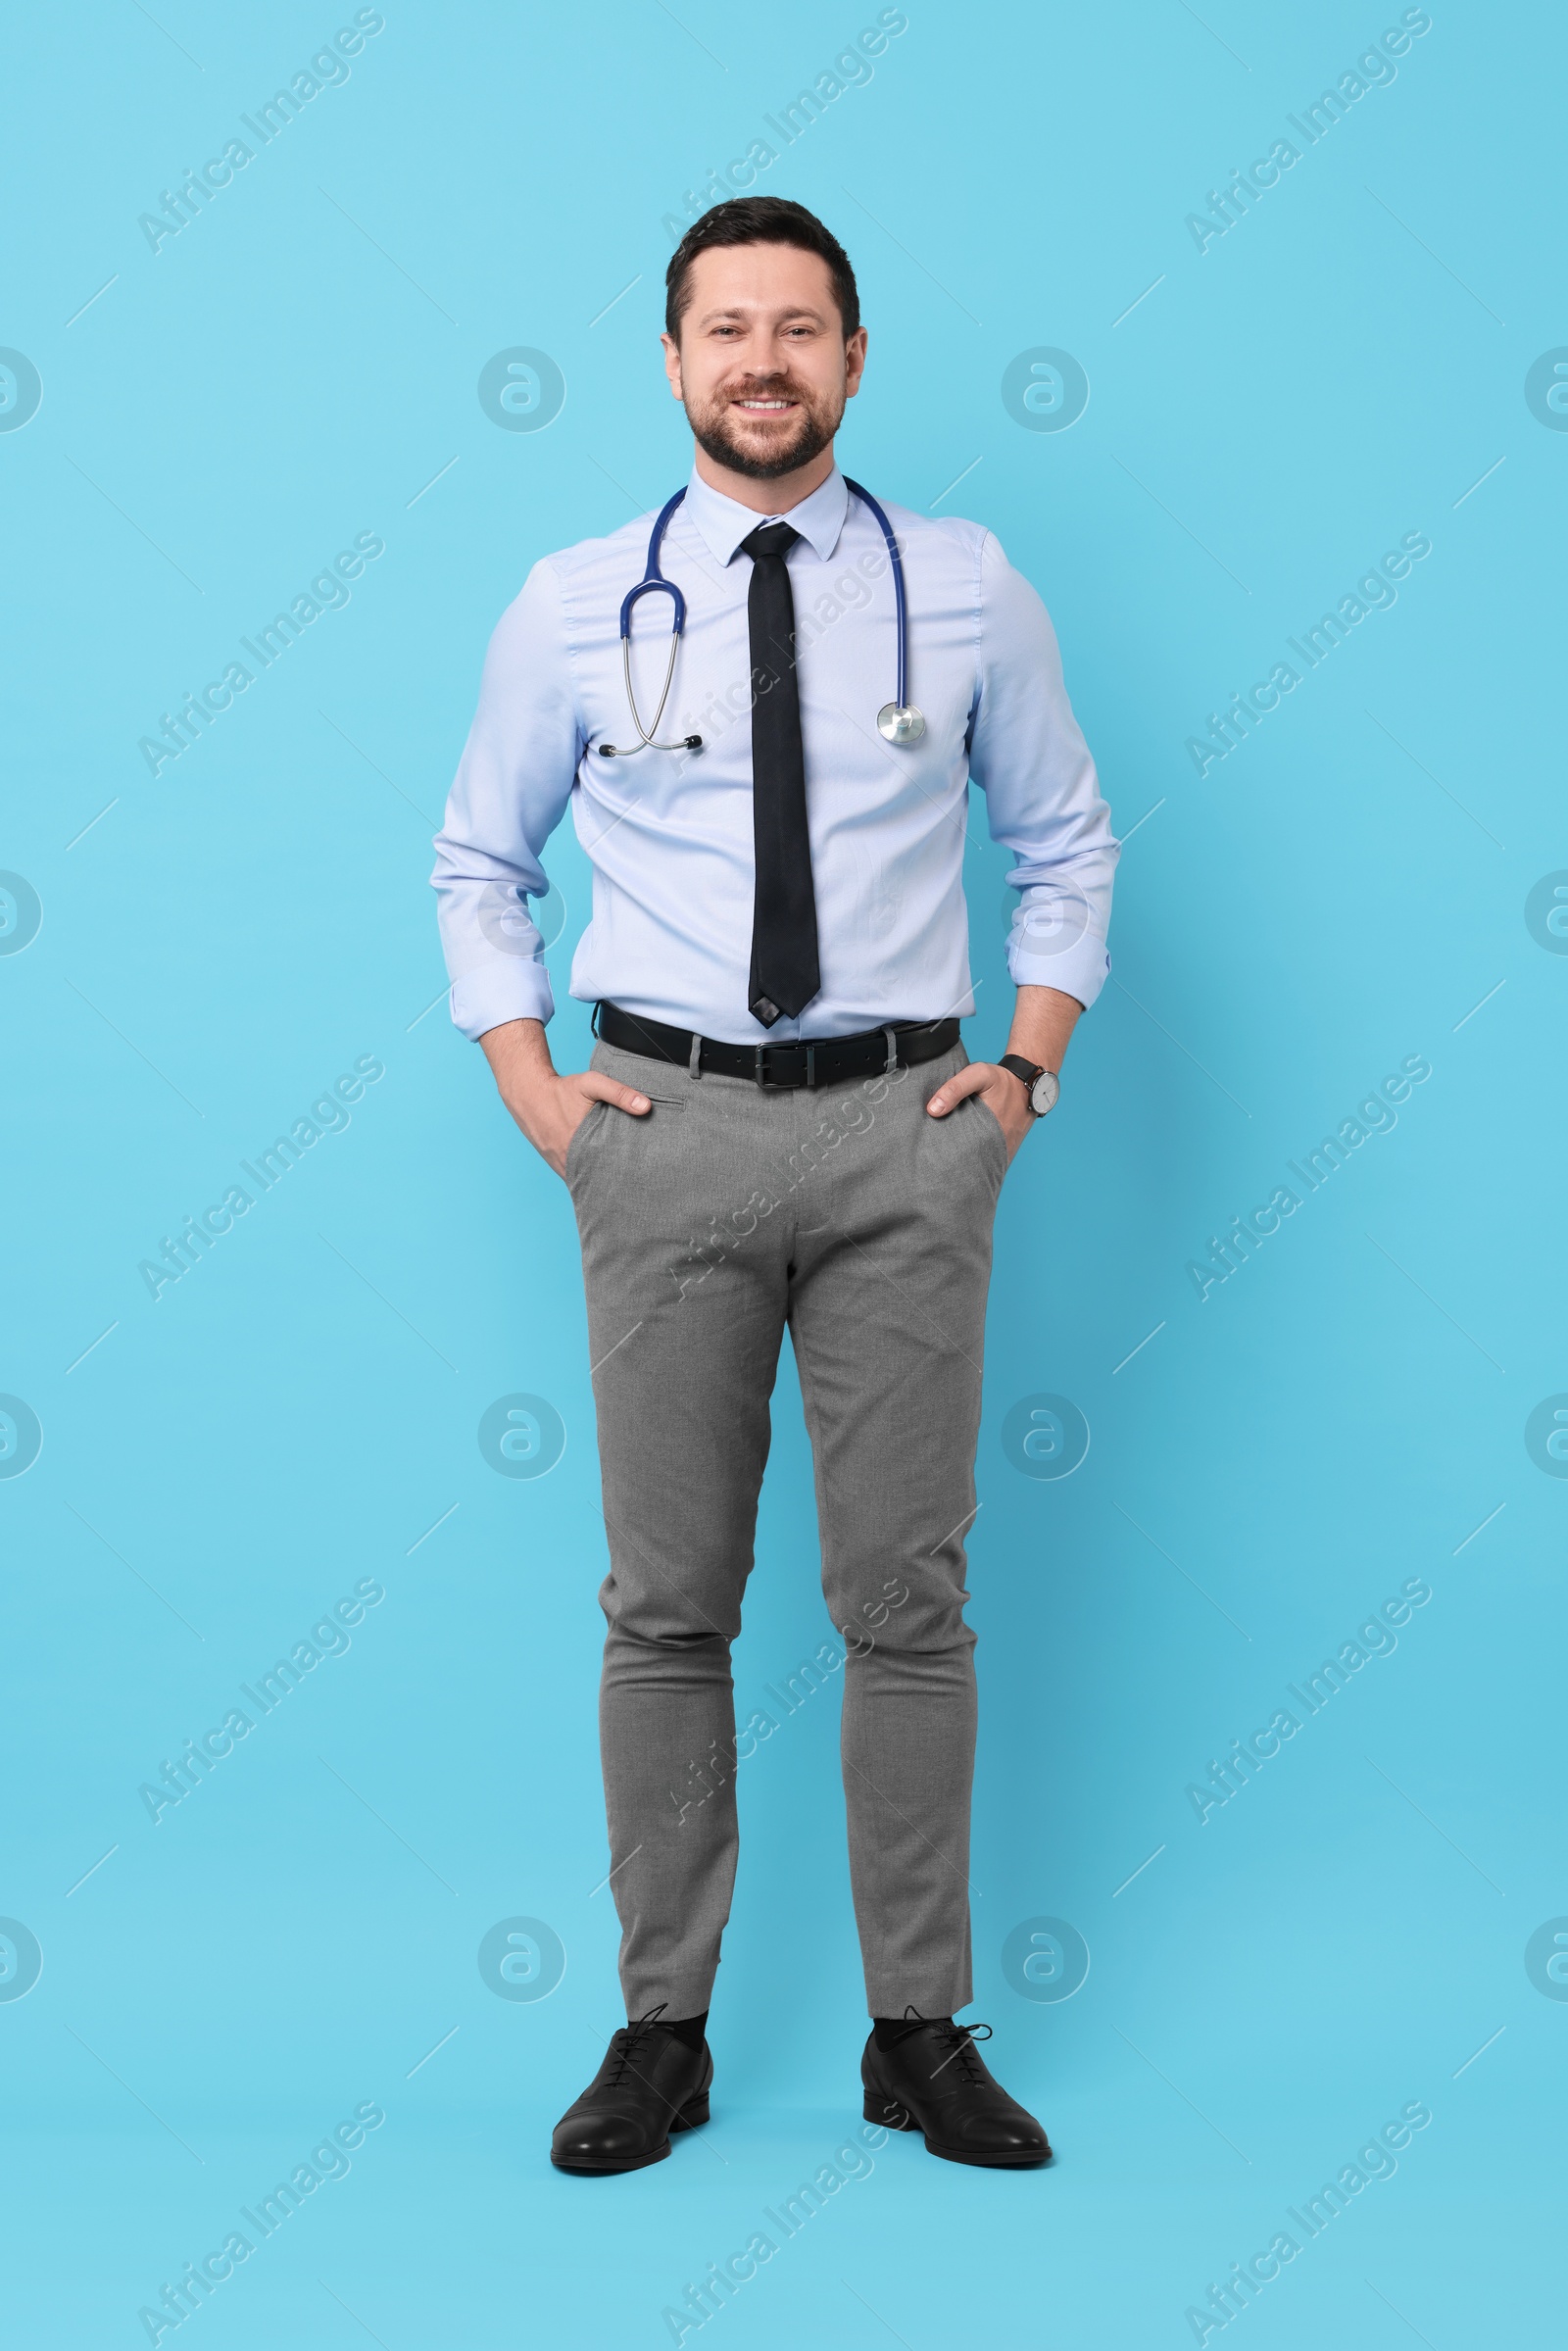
{"points": [[511, 787], [1043, 800]]}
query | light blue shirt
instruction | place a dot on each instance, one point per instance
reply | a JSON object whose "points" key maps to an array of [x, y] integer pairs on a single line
{"points": [[668, 833]]}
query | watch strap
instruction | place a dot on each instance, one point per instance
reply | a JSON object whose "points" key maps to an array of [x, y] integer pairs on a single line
{"points": [[1029, 1075]]}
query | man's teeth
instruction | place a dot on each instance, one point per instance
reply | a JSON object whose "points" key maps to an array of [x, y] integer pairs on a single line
{"points": [[765, 403]]}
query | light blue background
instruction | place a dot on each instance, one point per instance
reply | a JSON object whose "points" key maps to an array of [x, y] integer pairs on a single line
{"points": [[294, 1415]]}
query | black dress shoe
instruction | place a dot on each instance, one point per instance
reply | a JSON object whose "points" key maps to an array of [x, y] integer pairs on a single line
{"points": [[936, 2081], [650, 2084]]}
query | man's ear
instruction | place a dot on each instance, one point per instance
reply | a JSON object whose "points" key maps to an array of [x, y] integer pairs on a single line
{"points": [[672, 364]]}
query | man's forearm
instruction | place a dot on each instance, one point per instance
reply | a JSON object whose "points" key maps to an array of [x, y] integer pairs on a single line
{"points": [[1042, 1020], [517, 1049]]}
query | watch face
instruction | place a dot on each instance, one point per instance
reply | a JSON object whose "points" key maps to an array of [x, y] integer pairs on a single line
{"points": [[1042, 1093]]}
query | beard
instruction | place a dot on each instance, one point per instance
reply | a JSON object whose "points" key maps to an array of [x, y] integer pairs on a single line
{"points": [[765, 453]]}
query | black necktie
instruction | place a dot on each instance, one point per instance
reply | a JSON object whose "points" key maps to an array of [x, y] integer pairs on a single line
{"points": [[784, 975]]}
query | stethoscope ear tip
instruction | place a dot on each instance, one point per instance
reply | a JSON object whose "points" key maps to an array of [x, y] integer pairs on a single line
{"points": [[610, 750]]}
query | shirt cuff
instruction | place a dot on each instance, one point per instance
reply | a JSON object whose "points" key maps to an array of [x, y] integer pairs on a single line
{"points": [[500, 992], [1080, 969]]}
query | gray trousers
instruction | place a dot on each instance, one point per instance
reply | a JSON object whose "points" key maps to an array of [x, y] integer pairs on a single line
{"points": [[848, 1214]]}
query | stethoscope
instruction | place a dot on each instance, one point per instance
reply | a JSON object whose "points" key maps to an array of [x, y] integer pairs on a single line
{"points": [[897, 721]]}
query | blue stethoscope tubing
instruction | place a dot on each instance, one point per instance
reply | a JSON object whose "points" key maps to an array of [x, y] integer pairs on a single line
{"points": [[897, 722]]}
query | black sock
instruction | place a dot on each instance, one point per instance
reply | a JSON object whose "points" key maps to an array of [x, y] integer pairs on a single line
{"points": [[688, 2028], [891, 2030]]}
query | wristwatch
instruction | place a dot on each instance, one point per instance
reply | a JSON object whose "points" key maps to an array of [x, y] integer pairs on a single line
{"points": [[1041, 1085]]}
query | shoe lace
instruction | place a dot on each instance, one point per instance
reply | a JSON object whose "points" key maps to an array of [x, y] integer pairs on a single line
{"points": [[958, 2042], [628, 2043]]}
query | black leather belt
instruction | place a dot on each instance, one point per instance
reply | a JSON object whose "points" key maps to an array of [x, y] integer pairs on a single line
{"points": [[814, 1062]]}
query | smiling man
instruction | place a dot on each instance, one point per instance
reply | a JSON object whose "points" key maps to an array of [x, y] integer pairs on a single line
{"points": [[780, 1127]]}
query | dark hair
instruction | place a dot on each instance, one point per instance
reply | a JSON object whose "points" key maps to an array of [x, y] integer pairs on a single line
{"points": [[760, 221]]}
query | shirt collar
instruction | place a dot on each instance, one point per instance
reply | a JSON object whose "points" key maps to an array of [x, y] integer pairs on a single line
{"points": [[722, 522]]}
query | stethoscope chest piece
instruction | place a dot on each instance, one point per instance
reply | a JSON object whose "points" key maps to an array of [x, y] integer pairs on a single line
{"points": [[900, 722]]}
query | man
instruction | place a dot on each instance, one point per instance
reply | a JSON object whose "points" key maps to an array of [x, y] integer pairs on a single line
{"points": [[780, 1126]]}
